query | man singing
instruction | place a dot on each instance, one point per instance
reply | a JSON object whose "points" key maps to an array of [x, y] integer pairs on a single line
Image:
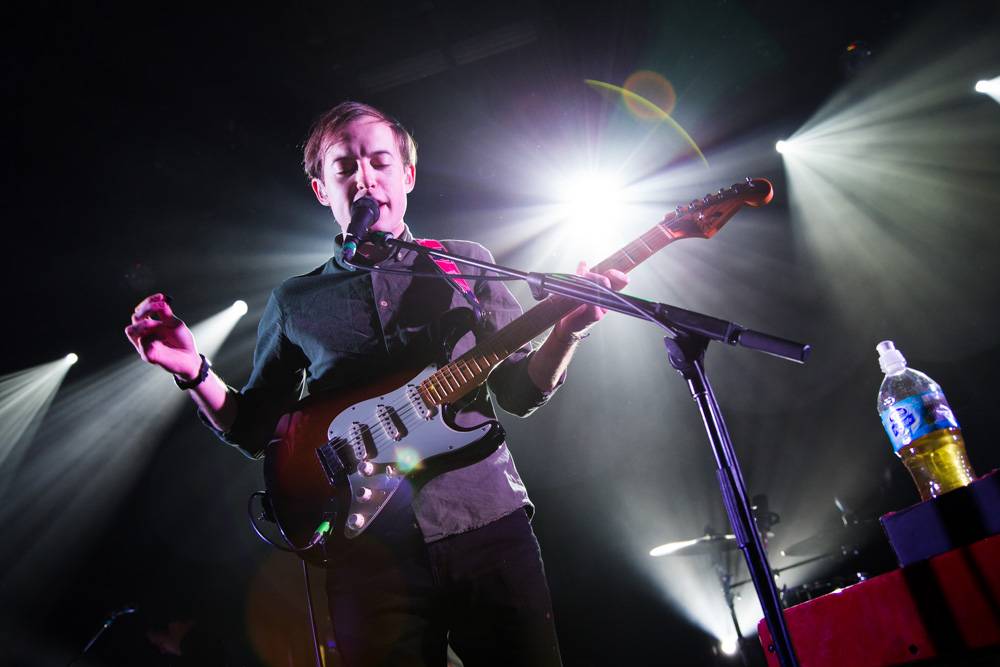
{"points": [[456, 562]]}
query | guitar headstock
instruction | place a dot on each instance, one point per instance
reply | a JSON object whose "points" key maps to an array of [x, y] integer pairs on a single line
{"points": [[702, 218]]}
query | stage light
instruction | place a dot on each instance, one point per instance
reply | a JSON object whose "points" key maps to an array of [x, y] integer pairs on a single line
{"points": [[590, 200], [71, 358], [25, 397], [729, 645], [588, 213], [239, 307], [787, 146], [672, 547], [989, 87]]}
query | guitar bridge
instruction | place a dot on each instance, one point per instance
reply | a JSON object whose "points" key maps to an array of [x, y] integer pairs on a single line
{"points": [[330, 461]]}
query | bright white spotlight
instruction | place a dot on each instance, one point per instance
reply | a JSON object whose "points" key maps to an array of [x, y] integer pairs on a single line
{"points": [[781, 146], [591, 201], [71, 358], [729, 645], [240, 307], [591, 209], [989, 87], [671, 547]]}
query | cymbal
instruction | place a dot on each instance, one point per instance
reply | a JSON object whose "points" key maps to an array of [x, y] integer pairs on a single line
{"points": [[706, 544], [838, 539]]}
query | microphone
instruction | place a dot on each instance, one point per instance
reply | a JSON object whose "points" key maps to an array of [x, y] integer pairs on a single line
{"points": [[364, 214]]}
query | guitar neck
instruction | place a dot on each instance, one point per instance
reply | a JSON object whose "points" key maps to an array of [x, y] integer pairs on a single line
{"points": [[464, 374]]}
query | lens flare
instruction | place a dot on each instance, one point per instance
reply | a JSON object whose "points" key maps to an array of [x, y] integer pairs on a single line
{"points": [[407, 459], [653, 87]]}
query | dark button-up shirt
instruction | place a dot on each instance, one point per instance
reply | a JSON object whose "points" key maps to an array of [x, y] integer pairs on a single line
{"points": [[337, 327]]}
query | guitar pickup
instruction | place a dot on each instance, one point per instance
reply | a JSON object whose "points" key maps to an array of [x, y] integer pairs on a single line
{"points": [[391, 423], [418, 403], [362, 442]]}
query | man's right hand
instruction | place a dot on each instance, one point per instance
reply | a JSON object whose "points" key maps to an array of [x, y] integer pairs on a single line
{"points": [[162, 339]]}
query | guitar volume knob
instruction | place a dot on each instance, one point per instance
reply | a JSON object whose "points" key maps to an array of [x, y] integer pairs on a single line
{"points": [[364, 494], [355, 521], [366, 468]]}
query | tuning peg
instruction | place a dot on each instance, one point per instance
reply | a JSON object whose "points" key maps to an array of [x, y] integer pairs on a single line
{"points": [[749, 181]]}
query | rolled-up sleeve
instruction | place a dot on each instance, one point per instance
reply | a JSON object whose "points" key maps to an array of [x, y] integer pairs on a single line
{"points": [[514, 390], [273, 388]]}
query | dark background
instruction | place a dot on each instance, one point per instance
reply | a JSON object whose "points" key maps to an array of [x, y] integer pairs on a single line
{"points": [[157, 148]]}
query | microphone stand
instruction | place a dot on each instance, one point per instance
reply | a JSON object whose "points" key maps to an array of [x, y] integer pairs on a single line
{"points": [[691, 333]]}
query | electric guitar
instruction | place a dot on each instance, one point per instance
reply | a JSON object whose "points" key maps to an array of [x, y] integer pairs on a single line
{"points": [[337, 459]]}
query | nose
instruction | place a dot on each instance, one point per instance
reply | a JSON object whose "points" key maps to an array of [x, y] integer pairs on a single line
{"points": [[365, 176]]}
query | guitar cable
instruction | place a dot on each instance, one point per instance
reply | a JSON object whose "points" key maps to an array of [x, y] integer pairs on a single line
{"points": [[322, 530]]}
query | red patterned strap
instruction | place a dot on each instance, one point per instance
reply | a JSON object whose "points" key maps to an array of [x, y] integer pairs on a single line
{"points": [[450, 269], [445, 265]]}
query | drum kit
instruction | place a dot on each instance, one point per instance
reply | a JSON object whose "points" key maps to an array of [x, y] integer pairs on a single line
{"points": [[838, 544]]}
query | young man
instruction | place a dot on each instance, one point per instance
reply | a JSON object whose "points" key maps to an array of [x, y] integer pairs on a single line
{"points": [[458, 562]]}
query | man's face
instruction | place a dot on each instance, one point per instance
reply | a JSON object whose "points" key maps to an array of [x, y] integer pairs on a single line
{"points": [[363, 159]]}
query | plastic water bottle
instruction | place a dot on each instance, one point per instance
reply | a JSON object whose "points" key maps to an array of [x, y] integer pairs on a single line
{"points": [[921, 426]]}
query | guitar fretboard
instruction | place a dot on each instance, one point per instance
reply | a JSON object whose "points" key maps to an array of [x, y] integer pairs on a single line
{"points": [[454, 380]]}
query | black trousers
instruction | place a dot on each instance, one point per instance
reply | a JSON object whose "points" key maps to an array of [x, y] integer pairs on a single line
{"points": [[398, 601]]}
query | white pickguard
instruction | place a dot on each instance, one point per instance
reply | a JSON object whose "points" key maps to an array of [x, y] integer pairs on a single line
{"points": [[411, 435]]}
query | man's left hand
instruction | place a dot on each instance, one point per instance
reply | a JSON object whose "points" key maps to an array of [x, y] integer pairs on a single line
{"points": [[579, 320]]}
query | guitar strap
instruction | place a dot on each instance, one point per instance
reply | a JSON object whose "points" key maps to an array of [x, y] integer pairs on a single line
{"points": [[449, 269]]}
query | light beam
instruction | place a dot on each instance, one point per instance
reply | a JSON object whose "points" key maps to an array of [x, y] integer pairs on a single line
{"points": [[25, 397], [98, 436]]}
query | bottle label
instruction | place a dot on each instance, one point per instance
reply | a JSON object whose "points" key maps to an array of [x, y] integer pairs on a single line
{"points": [[914, 417]]}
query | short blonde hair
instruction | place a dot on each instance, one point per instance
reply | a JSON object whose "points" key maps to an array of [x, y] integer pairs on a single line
{"points": [[333, 121]]}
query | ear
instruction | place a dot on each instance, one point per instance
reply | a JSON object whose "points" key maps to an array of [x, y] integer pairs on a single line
{"points": [[320, 191], [409, 177]]}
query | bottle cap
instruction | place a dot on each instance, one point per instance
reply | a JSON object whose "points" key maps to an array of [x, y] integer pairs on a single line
{"points": [[890, 360]]}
